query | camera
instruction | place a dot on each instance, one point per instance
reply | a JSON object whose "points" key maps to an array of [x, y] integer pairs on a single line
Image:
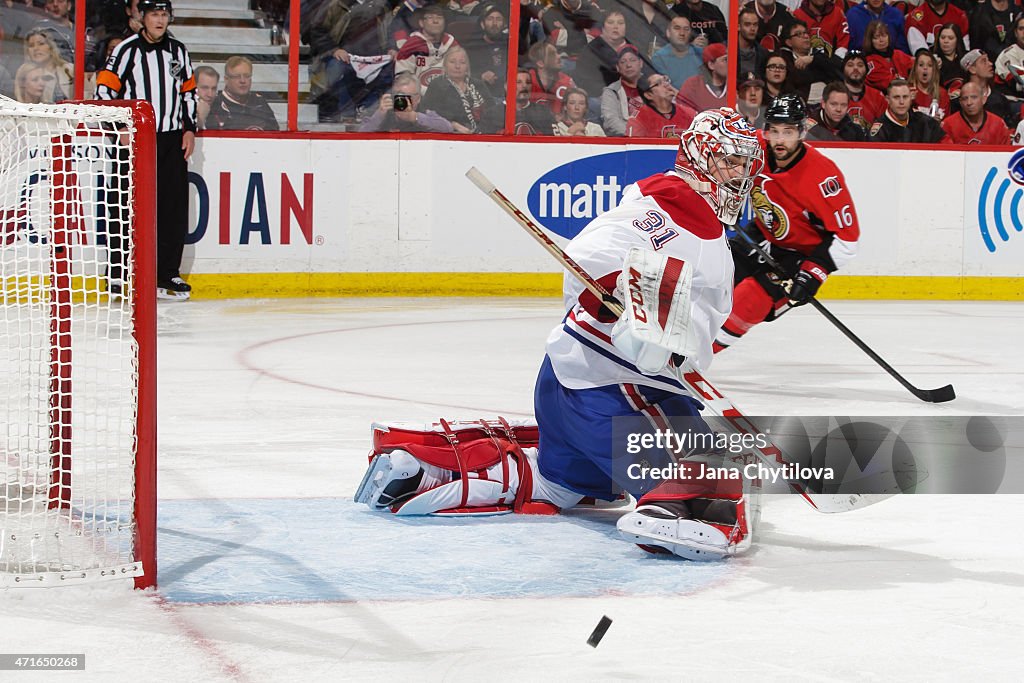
{"points": [[402, 102]]}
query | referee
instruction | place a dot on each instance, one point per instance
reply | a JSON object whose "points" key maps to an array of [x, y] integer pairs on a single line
{"points": [[155, 67]]}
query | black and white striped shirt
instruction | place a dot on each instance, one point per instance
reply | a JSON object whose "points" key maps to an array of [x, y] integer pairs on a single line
{"points": [[160, 73]]}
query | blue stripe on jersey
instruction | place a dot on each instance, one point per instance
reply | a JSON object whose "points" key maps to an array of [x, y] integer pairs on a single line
{"points": [[624, 363]]}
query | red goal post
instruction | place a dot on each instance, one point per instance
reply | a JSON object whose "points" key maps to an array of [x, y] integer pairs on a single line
{"points": [[77, 343]]}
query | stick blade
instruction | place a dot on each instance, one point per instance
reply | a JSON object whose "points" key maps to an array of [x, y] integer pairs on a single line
{"points": [[940, 395], [480, 180]]}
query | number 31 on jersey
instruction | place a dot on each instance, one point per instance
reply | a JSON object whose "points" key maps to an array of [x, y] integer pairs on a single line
{"points": [[654, 225]]}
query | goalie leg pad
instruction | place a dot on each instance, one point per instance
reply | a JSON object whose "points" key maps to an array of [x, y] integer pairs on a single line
{"points": [[480, 467]]}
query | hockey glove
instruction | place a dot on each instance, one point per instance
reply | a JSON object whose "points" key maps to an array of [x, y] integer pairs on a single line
{"points": [[806, 282]]}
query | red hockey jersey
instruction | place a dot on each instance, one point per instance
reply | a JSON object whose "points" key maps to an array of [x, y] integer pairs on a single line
{"points": [[881, 69], [549, 97], [866, 109], [649, 123], [828, 31], [807, 207], [992, 132], [924, 24]]}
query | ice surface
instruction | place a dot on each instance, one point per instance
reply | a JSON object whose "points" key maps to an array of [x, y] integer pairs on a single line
{"points": [[269, 572]]}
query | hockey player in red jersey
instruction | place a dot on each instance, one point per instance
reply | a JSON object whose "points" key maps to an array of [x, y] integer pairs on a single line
{"points": [[664, 252], [804, 217]]}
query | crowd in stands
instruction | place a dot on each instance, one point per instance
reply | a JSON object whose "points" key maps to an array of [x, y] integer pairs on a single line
{"points": [[37, 61], [870, 70]]}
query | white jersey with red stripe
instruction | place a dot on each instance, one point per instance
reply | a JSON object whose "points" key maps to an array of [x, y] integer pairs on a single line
{"points": [[664, 214]]}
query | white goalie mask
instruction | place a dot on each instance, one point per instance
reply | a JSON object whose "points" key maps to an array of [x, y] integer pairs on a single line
{"points": [[721, 156]]}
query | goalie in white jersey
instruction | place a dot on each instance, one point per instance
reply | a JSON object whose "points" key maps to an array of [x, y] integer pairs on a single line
{"points": [[664, 253]]}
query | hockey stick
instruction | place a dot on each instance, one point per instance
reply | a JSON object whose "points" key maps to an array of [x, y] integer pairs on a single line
{"points": [[940, 395], [727, 414]]}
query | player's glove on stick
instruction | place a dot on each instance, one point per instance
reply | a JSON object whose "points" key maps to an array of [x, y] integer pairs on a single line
{"points": [[806, 282], [656, 322]]}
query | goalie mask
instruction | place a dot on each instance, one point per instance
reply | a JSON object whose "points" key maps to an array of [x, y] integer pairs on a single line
{"points": [[721, 156]]}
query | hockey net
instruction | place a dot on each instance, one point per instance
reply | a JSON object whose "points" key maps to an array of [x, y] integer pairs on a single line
{"points": [[77, 363]]}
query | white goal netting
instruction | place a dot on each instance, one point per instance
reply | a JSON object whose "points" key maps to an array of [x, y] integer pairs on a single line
{"points": [[68, 346]]}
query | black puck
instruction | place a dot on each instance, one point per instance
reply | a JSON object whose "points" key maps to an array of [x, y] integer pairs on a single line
{"points": [[599, 631]]}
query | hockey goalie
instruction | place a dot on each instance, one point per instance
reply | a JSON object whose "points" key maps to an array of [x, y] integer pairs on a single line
{"points": [[664, 254]]}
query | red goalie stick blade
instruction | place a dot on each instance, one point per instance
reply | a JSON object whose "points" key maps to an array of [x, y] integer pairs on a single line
{"points": [[729, 417]]}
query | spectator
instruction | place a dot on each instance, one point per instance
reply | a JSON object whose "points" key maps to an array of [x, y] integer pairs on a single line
{"points": [[547, 82], [621, 100], [207, 80], [105, 48], [750, 100], [570, 24], [806, 68], [990, 23], [859, 16], [460, 99], [831, 119], [488, 51], [237, 107], [133, 17], [405, 22], [660, 117], [980, 72], [423, 53], [58, 25], [972, 125], [776, 76], [400, 111], [646, 24], [926, 20], [597, 65], [351, 66], [866, 103], [706, 90], [42, 51], [1010, 63], [752, 55], [573, 120], [949, 49], [901, 123], [707, 22], [929, 97], [153, 66], [30, 83], [679, 60], [884, 62], [775, 19], [531, 119], [826, 23]]}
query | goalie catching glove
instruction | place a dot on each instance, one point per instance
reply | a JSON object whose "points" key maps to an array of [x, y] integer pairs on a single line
{"points": [[655, 291]]}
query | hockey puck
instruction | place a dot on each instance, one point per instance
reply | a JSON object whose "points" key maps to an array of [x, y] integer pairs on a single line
{"points": [[602, 627]]}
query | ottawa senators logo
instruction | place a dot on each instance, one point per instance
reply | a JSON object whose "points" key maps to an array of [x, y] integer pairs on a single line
{"points": [[772, 215]]}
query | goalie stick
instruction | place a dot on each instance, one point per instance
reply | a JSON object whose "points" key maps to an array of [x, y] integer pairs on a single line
{"points": [[940, 395], [725, 413]]}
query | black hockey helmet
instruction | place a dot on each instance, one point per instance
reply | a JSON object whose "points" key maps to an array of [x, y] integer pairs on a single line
{"points": [[154, 6], [785, 109]]}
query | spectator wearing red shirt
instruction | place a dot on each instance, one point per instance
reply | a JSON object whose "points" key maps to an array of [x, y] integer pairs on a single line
{"points": [[706, 90], [884, 62], [972, 125], [866, 103], [659, 117], [547, 82], [827, 24], [929, 97]]}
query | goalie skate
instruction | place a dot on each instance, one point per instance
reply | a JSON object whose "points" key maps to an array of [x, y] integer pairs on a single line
{"points": [[656, 528], [389, 479]]}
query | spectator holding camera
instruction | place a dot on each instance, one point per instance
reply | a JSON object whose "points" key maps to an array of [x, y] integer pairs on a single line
{"points": [[399, 111]]}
